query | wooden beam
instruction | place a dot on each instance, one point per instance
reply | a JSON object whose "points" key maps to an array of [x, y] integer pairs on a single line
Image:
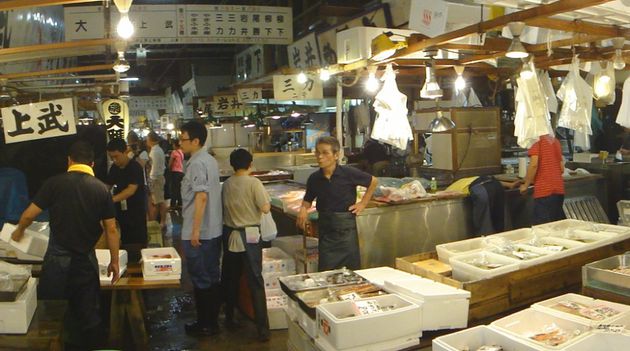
{"points": [[47, 51], [20, 4], [56, 46], [58, 71], [554, 8], [578, 26]]}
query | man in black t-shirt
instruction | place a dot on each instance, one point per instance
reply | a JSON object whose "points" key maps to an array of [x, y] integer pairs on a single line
{"points": [[127, 179], [80, 207]]}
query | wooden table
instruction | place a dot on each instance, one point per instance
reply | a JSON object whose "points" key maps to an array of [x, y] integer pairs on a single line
{"points": [[45, 330], [127, 305]]}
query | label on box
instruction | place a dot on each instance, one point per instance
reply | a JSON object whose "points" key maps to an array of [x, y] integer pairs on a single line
{"points": [[367, 307]]}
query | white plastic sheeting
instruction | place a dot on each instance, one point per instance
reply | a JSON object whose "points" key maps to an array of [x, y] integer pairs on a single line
{"points": [[392, 125], [577, 105], [532, 113], [623, 117]]}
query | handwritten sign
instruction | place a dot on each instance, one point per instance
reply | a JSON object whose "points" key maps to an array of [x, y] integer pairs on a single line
{"points": [[287, 87], [38, 121]]}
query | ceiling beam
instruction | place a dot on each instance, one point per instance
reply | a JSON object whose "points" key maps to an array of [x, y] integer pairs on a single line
{"points": [[20, 4], [58, 71], [542, 11], [63, 49], [578, 26]]}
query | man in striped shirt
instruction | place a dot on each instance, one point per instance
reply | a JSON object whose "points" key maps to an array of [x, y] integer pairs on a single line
{"points": [[545, 170]]}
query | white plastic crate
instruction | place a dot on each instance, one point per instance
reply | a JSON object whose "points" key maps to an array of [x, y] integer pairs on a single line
{"points": [[448, 250], [33, 243], [515, 235], [530, 322], [564, 224], [379, 275], [601, 341], [443, 306], [547, 306], [271, 280], [573, 247], [545, 256], [277, 261], [16, 316], [156, 268], [340, 331], [389, 345], [464, 271], [103, 258], [474, 338], [277, 318]]}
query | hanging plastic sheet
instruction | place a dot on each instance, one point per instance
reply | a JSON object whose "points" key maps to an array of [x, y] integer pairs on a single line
{"points": [[577, 105], [552, 101], [532, 114], [392, 125], [473, 99], [623, 117]]}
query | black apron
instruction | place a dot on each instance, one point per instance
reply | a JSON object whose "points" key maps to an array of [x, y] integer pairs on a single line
{"points": [[338, 241], [73, 277]]}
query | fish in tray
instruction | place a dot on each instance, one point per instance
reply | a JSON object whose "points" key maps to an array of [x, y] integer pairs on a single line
{"points": [[553, 335], [596, 313]]}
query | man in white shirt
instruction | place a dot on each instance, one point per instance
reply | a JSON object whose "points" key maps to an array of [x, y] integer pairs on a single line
{"points": [[156, 178]]}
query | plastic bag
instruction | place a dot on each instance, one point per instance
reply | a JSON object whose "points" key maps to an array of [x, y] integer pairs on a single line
{"points": [[268, 229], [392, 125]]}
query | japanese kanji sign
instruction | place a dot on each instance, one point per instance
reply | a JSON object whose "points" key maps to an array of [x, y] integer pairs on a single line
{"points": [[287, 87], [250, 63], [226, 105], [192, 24], [249, 94], [38, 121], [304, 53], [116, 115]]}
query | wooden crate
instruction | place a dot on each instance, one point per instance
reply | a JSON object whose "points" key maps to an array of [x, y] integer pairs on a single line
{"points": [[496, 295]]}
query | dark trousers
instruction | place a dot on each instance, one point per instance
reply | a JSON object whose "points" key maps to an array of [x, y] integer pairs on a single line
{"points": [[488, 202], [548, 209], [233, 265], [176, 191]]}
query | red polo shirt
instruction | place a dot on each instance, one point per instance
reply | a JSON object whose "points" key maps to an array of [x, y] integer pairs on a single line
{"points": [[548, 180]]}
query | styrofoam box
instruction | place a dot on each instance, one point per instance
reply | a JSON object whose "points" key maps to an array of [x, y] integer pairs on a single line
{"points": [[277, 318], [341, 333], [275, 261], [474, 338], [292, 309], [623, 319], [443, 306], [547, 306], [464, 271], [276, 298], [530, 321], [448, 250], [103, 258], [271, 279], [33, 243], [308, 324], [298, 338], [161, 268], [377, 276], [16, 316], [389, 345], [290, 244], [601, 341]]}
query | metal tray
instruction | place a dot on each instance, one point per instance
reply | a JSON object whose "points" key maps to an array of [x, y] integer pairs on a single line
{"points": [[19, 286], [600, 272], [321, 280], [308, 300]]}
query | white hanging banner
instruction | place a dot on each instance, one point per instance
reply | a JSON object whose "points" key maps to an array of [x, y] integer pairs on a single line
{"points": [[304, 53], [250, 63], [116, 115], [249, 94], [428, 17], [287, 87], [41, 120]]}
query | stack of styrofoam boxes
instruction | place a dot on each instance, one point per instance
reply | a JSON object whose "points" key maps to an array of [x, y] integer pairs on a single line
{"points": [[294, 246], [547, 307], [16, 316], [103, 257], [394, 329], [33, 245], [161, 263], [276, 263]]}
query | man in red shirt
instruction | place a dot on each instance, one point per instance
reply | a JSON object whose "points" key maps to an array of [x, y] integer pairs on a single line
{"points": [[545, 170]]}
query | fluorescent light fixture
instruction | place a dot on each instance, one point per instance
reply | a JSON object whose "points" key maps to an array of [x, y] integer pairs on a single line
{"points": [[431, 88], [302, 78], [516, 49], [125, 28], [130, 79]]}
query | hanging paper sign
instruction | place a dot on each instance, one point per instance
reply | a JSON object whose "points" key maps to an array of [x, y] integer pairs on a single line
{"points": [[428, 17], [38, 121], [304, 53], [226, 105], [250, 63], [249, 94], [287, 87], [116, 114], [84, 22]]}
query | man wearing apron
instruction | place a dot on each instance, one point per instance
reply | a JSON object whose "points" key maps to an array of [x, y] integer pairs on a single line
{"points": [[80, 208], [335, 188]]}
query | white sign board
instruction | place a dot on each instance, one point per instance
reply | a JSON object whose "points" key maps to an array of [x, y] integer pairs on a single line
{"points": [[226, 105], [116, 115], [38, 121], [148, 102], [287, 87], [84, 22], [249, 94], [304, 53], [428, 17], [192, 24], [250, 63]]}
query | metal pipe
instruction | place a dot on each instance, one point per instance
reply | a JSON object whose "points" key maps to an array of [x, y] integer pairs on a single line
{"points": [[338, 117]]}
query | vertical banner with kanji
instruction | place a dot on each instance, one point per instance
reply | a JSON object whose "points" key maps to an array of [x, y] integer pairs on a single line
{"points": [[116, 115], [304, 53], [38, 121], [287, 87]]}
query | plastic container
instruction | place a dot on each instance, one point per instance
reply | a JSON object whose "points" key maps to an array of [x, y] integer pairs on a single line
{"points": [[551, 306], [530, 322], [515, 235], [276, 298], [446, 251], [103, 258], [277, 318], [379, 275], [549, 242], [16, 316], [343, 332], [271, 280], [33, 243], [601, 341], [464, 270], [292, 309], [276, 261], [443, 306], [308, 324], [161, 263], [474, 338], [403, 343]]}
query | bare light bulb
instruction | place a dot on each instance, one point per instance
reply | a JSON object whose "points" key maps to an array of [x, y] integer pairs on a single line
{"points": [[324, 74], [460, 83], [301, 78], [619, 63], [125, 28], [372, 83]]}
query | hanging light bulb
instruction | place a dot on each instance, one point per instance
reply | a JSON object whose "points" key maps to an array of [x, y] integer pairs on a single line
{"points": [[526, 71], [121, 65], [301, 78], [460, 83], [372, 85], [619, 62], [601, 88], [516, 49], [431, 88], [324, 74], [125, 28]]}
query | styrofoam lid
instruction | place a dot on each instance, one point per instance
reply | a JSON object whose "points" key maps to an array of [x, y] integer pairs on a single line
{"points": [[379, 275], [427, 289]]}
